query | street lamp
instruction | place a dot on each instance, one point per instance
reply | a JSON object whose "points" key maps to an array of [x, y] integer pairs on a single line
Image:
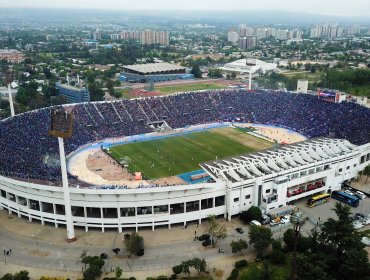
{"points": [[37, 242]]}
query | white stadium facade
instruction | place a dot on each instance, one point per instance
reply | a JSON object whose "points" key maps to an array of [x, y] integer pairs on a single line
{"points": [[268, 179]]}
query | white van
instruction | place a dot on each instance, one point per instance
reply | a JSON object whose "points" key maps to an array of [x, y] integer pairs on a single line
{"points": [[255, 223]]}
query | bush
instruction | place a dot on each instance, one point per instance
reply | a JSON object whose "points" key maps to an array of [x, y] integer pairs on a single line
{"points": [[240, 264], [277, 257], [276, 244], [174, 276], [234, 274], [162, 277], [132, 278], [177, 269]]}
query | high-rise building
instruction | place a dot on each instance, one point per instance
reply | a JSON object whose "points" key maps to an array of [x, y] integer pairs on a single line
{"points": [[97, 35], [281, 34], [232, 36], [148, 37], [261, 33], [247, 42], [73, 94]]}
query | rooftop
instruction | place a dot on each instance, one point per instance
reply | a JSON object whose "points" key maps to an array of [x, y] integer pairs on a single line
{"points": [[154, 67], [253, 165], [9, 51]]}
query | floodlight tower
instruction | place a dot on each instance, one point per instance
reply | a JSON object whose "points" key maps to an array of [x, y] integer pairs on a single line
{"points": [[251, 63], [61, 127]]}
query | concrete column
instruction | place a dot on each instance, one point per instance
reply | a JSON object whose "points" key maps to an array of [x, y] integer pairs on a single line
{"points": [[28, 211], [55, 212], [41, 213], [119, 219], [67, 200], [17, 201], [185, 213], [102, 219], [200, 212], [85, 216], [7, 198]]}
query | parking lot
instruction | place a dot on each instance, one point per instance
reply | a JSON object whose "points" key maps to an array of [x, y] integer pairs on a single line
{"points": [[321, 213]]}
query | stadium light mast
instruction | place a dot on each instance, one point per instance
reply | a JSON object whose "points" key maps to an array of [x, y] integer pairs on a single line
{"points": [[11, 104], [61, 127], [251, 63]]}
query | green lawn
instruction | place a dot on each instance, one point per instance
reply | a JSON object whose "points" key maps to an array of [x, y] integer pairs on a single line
{"points": [[177, 154], [255, 272], [190, 87], [311, 77]]}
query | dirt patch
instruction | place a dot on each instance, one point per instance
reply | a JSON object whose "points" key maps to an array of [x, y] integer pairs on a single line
{"points": [[39, 253]]}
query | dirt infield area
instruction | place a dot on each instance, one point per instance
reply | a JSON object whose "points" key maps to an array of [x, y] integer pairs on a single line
{"points": [[97, 168]]}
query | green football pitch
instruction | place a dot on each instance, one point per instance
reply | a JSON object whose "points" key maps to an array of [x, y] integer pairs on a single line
{"points": [[175, 154]]}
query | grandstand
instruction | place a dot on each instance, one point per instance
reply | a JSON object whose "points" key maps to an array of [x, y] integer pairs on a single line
{"points": [[154, 72], [269, 179]]}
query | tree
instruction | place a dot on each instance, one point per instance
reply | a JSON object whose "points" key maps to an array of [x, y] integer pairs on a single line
{"points": [[238, 246], [133, 243], [119, 272], [214, 73], [177, 269], [196, 71], [21, 275], [200, 265], [266, 275], [366, 172], [277, 257], [215, 230], [336, 251], [260, 237], [94, 266], [253, 213]]}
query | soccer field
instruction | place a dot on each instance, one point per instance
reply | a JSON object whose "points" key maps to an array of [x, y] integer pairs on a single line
{"points": [[176, 154]]}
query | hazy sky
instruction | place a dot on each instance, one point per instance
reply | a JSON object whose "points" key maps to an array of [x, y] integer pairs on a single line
{"points": [[328, 7]]}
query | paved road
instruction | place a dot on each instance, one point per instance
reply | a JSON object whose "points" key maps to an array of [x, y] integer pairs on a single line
{"points": [[66, 256]]}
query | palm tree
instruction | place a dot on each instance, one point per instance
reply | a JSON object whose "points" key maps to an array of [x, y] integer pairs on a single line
{"points": [[297, 220]]}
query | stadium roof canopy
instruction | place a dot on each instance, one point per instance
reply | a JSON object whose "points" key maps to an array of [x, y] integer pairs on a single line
{"points": [[242, 67], [253, 165], [151, 68]]}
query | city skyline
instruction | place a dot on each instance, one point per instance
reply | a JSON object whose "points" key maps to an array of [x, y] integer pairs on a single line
{"points": [[335, 8]]}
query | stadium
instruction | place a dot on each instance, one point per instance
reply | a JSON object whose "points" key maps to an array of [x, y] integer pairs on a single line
{"points": [[200, 153]]}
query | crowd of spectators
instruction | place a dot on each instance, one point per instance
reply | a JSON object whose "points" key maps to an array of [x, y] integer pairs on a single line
{"points": [[24, 142]]}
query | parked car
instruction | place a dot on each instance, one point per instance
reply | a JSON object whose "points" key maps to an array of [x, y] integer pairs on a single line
{"points": [[275, 222], [204, 237], [255, 223], [365, 240], [364, 219], [349, 192], [286, 219], [360, 195], [239, 230], [357, 224], [206, 242]]}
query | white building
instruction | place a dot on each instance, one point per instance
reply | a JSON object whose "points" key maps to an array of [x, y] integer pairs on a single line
{"points": [[268, 179], [302, 86], [242, 67]]}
